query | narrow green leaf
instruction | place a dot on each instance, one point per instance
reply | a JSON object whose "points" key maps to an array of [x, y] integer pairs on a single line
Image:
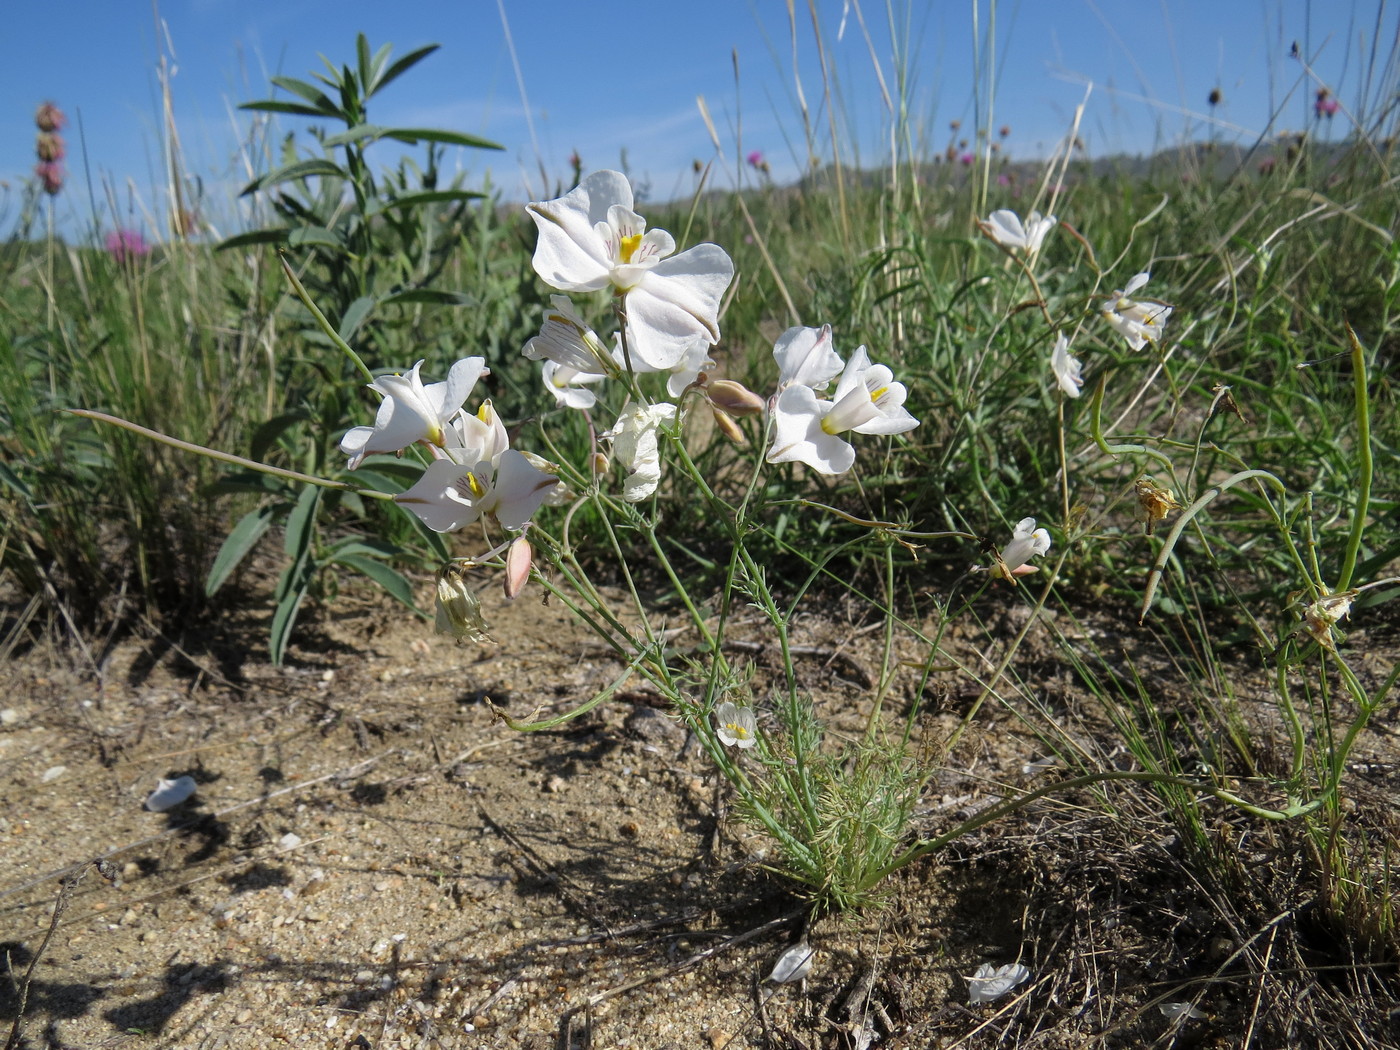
{"points": [[413, 200], [354, 316], [271, 235], [391, 580], [307, 92], [300, 170], [294, 583], [312, 235], [404, 64], [301, 523], [427, 295], [237, 545], [449, 138], [268, 433], [355, 134], [363, 60], [272, 105]]}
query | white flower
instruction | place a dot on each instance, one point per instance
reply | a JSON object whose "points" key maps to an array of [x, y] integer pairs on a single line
{"points": [[637, 447], [450, 496], [412, 412], [170, 793], [693, 360], [1322, 615], [1137, 322], [1005, 228], [990, 983], [568, 385], [1068, 371], [473, 438], [1026, 543], [736, 726], [806, 357], [591, 239], [807, 429], [566, 340], [793, 965]]}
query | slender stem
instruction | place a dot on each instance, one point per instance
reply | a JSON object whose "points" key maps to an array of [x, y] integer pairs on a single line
{"points": [[1365, 464], [227, 457]]}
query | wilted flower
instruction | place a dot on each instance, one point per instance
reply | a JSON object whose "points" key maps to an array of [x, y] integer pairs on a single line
{"points": [[458, 611], [591, 239], [1026, 543], [126, 244], [793, 965], [806, 357], [566, 340], [989, 983], [170, 793], [412, 412], [1005, 227], [1322, 615], [1137, 322], [867, 401], [1068, 371], [568, 385], [1154, 502], [736, 726], [637, 447]]}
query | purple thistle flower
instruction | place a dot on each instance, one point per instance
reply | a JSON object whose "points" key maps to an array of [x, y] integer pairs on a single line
{"points": [[126, 244]]}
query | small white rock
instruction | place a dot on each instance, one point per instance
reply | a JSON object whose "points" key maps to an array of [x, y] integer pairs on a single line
{"points": [[290, 840], [53, 773], [9, 716], [170, 793]]}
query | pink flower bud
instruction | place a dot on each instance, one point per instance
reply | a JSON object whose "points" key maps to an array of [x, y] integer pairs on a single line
{"points": [[49, 147], [518, 560], [50, 173], [49, 117], [728, 427]]}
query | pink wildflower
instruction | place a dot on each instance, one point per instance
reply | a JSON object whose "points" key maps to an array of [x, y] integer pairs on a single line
{"points": [[126, 244], [755, 159], [50, 173]]}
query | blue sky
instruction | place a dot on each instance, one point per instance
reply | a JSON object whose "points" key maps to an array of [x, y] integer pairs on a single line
{"points": [[609, 76]]}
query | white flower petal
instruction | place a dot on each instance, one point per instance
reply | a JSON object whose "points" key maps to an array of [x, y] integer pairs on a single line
{"points": [[798, 436], [170, 793], [990, 983], [806, 357], [793, 965], [570, 255]]}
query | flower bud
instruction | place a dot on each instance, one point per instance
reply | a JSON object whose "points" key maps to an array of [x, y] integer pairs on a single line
{"points": [[600, 463], [49, 146], [458, 611], [728, 427], [49, 117], [734, 398], [518, 560]]}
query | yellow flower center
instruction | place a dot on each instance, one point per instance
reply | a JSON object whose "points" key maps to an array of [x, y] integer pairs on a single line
{"points": [[628, 247], [474, 483], [737, 731]]}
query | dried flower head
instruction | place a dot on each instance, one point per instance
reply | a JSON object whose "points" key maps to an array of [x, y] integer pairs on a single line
{"points": [[1154, 502], [458, 610], [1322, 615], [49, 117]]}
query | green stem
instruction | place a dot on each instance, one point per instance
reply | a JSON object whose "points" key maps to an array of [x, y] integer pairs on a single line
{"points": [[1365, 466]]}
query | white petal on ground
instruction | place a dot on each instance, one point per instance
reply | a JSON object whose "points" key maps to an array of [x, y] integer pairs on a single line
{"points": [[170, 793], [990, 983], [793, 965]]}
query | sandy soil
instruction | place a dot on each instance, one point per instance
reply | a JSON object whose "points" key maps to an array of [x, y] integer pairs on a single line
{"points": [[372, 861]]}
